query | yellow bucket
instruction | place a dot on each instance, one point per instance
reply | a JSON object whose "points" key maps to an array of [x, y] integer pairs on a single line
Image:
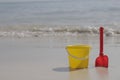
{"points": [[78, 56]]}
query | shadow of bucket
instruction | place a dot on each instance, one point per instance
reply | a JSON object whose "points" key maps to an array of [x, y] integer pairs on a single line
{"points": [[78, 56]]}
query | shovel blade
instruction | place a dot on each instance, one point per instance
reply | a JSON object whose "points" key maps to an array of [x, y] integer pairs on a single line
{"points": [[101, 61]]}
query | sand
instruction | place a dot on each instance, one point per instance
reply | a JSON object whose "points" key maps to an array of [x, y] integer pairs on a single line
{"points": [[45, 58]]}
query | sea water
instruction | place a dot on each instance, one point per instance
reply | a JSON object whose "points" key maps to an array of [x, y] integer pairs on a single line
{"points": [[69, 17]]}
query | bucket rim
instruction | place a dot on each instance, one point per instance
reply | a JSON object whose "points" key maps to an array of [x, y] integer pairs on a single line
{"points": [[78, 46]]}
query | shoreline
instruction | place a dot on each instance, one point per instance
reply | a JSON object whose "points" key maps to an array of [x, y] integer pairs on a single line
{"points": [[45, 59]]}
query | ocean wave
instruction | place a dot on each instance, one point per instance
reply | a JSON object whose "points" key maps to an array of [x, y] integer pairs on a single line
{"points": [[44, 30]]}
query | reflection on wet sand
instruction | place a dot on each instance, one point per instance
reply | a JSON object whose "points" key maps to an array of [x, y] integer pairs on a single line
{"points": [[82, 74], [98, 73], [102, 73]]}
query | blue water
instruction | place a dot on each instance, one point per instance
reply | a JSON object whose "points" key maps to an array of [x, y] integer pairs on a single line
{"points": [[75, 12], [82, 13]]}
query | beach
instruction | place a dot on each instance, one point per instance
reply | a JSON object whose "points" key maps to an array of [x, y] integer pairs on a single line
{"points": [[46, 59], [34, 35]]}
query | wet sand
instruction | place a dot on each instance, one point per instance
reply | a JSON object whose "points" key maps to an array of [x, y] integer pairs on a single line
{"points": [[46, 59]]}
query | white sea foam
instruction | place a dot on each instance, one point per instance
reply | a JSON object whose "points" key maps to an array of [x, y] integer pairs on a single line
{"points": [[54, 30]]}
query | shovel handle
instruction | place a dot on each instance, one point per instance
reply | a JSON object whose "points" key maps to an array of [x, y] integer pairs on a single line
{"points": [[101, 41]]}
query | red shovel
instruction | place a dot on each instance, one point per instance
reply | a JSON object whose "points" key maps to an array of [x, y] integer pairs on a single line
{"points": [[101, 60]]}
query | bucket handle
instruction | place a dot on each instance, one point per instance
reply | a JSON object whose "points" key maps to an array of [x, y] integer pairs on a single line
{"points": [[82, 58]]}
